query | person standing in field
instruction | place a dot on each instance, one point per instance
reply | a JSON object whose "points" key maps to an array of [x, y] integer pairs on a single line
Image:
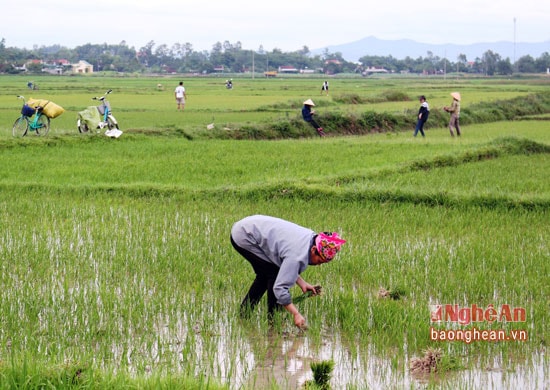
{"points": [[324, 88], [279, 251], [454, 110], [423, 113], [307, 114], [180, 95]]}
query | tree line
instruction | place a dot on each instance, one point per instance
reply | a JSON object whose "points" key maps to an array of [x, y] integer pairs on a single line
{"points": [[232, 58]]}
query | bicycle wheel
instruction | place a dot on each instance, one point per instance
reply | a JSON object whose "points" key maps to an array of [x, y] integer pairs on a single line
{"points": [[43, 125], [82, 126], [20, 127], [111, 123]]}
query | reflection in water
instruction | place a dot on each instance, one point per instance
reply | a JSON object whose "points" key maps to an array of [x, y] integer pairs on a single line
{"points": [[285, 364], [282, 360]]}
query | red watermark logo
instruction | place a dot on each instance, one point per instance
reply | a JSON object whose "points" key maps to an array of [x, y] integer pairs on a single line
{"points": [[474, 313]]}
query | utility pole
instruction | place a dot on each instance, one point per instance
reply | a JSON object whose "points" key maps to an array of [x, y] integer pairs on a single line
{"points": [[515, 67], [445, 66]]}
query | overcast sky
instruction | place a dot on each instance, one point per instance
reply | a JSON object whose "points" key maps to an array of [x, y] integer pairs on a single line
{"points": [[284, 24]]}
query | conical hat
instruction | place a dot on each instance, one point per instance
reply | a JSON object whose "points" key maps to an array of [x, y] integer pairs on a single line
{"points": [[309, 102], [456, 95]]}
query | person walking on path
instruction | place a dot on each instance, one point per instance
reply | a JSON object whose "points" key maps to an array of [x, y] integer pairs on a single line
{"points": [[307, 114], [423, 114], [180, 95], [279, 251], [454, 110]]}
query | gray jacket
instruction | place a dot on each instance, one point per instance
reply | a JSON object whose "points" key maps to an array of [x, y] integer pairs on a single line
{"points": [[279, 242]]}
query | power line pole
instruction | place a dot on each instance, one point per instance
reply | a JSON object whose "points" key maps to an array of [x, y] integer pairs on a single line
{"points": [[515, 66]]}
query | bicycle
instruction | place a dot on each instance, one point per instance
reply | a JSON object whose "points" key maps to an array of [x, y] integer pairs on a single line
{"points": [[40, 124], [89, 118]]}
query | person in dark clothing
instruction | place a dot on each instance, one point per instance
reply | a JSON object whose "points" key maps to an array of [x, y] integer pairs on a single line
{"points": [[307, 114], [423, 114], [324, 88], [279, 251]]}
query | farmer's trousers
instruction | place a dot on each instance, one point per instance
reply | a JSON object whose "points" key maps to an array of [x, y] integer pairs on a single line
{"points": [[419, 127], [266, 273], [314, 124], [453, 122]]}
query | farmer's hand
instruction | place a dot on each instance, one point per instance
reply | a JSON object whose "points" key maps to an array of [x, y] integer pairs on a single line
{"points": [[308, 287], [300, 321]]}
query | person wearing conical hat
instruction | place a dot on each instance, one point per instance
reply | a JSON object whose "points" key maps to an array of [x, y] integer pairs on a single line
{"points": [[307, 114], [279, 251], [454, 110]]}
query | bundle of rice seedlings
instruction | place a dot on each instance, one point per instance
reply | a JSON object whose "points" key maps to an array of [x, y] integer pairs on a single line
{"points": [[427, 364], [321, 375], [307, 294], [394, 294]]}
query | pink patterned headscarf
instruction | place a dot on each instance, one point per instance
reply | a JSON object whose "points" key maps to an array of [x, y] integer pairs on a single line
{"points": [[328, 245]]}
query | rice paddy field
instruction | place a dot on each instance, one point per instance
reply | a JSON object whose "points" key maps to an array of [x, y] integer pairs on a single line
{"points": [[117, 270]]}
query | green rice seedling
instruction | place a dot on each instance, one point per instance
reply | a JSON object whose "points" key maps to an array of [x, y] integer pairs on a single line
{"points": [[154, 260], [307, 294], [321, 374]]}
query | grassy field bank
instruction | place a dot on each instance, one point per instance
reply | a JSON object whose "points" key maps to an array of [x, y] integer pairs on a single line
{"points": [[117, 268], [262, 108]]}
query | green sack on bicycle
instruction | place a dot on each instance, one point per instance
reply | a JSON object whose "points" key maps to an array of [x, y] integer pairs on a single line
{"points": [[90, 116]]}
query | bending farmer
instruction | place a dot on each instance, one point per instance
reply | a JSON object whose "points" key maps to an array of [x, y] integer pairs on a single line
{"points": [[307, 114], [279, 251]]}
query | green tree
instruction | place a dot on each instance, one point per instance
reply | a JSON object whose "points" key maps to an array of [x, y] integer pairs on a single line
{"points": [[490, 60], [34, 67], [462, 63], [504, 67], [145, 55], [542, 64], [526, 64]]}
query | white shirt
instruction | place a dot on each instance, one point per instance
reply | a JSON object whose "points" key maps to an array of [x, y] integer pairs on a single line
{"points": [[180, 91]]}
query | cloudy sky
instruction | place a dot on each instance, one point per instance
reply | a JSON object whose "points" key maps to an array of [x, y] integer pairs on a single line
{"points": [[284, 24]]}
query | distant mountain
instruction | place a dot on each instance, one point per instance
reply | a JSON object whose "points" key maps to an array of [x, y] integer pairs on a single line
{"points": [[407, 48]]}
